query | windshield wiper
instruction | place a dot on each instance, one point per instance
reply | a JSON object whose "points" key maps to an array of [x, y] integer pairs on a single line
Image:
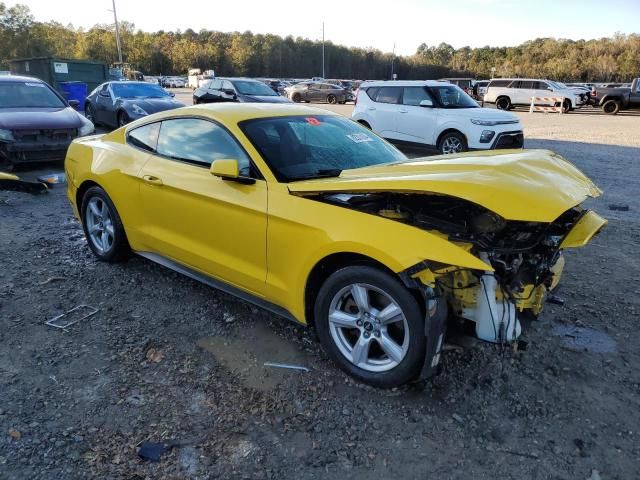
{"points": [[322, 173]]}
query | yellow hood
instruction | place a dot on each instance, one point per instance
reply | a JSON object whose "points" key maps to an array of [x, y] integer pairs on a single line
{"points": [[529, 185]]}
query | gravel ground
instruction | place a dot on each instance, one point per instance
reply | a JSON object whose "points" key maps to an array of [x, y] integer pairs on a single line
{"points": [[166, 358]]}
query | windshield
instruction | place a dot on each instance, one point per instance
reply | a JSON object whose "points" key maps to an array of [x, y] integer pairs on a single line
{"points": [[254, 88], [138, 90], [302, 147], [28, 95], [452, 96]]}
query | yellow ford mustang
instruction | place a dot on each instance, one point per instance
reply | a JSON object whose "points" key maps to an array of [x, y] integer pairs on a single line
{"points": [[314, 217]]}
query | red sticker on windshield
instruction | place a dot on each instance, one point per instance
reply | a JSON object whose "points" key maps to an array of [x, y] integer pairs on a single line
{"points": [[312, 121]]}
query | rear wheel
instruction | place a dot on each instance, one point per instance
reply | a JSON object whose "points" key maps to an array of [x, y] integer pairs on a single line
{"points": [[296, 97], [331, 99], [566, 106], [452, 142], [611, 107], [503, 103], [102, 226], [371, 326]]}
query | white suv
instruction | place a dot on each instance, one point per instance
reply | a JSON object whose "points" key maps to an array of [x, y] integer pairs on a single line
{"points": [[434, 114], [507, 92]]}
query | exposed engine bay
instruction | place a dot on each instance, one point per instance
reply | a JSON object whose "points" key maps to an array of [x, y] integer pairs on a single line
{"points": [[526, 257]]}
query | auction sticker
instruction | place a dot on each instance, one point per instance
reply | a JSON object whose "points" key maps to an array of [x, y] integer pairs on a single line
{"points": [[312, 121], [360, 137]]}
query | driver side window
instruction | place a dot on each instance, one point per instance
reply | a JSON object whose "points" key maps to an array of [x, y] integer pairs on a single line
{"points": [[414, 95], [199, 142]]}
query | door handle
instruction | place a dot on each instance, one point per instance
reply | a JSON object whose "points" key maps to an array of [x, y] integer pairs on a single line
{"points": [[371, 108], [152, 180], [403, 111]]}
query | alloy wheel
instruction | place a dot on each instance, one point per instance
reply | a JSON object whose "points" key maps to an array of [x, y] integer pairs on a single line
{"points": [[100, 227], [452, 145], [369, 327]]}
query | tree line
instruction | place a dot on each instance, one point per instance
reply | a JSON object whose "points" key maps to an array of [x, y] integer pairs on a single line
{"points": [[258, 55]]}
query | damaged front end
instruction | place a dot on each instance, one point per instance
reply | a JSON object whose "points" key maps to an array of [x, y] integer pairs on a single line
{"points": [[524, 259]]}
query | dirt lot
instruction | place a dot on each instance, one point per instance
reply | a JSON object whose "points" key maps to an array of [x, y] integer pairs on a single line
{"points": [[168, 358]]}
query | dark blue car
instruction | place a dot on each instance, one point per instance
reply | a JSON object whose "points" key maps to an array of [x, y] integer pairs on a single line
{"points": [[114, 104]]}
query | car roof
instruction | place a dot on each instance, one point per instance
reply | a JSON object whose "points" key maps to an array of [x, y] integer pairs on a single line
{"points": [[402, 83], [232, 113], [19, 78], [525, 79]]}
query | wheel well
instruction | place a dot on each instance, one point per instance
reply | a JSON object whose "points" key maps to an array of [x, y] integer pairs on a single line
{"points": [[86, 185], [450, 130], [364, 123], [330, 264], [606, 99]]}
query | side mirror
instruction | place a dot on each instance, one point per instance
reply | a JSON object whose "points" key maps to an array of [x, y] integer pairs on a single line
{"points": [[229, 169], [226, 169], [171, 94], [228, 91], [75, 104], [426, 103]]}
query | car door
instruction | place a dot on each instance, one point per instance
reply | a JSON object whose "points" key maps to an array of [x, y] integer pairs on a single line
{"points": [[416, 123], [228, 92], [104, 106], [215, 226], [385, 116], [542, 90], [314, 92], [213, 91], [634, 96]]}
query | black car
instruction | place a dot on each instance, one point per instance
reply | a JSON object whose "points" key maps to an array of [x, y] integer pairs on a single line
{"points": [[115, 104], [236, 90], [36, 123]]}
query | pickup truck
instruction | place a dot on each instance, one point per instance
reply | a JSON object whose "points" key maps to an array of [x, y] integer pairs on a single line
{"points": [[612, 100]]}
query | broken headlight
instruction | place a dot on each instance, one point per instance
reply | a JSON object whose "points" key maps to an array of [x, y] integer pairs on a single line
{"points": [[487, 222]]}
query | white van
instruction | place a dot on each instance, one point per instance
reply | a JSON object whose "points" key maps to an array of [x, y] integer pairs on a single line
{"points": [[509, 92], [434, 114]]}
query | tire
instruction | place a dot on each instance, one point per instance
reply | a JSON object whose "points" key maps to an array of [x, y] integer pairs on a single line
{"points": [[90, 113], [566, 106], [123, 118], [611, 107], [101, 223], [503, 103], [331, 98], [296, 97], [386, 367], [452, 142]]}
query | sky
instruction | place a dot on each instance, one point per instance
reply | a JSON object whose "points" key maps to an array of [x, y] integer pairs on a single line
{"points": [[368, 23]]}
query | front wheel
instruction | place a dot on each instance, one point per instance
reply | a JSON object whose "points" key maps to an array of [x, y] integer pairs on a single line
{"points": [[332, 99], [371, 326], [102, 226], [453, 142], [296, 97], [123, 118], [89, 113]]}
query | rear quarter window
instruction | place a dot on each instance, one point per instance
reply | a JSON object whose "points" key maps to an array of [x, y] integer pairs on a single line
{"points": [[500, 83], [372, 92]]}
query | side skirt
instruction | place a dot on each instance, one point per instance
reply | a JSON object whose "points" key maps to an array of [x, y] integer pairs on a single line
{"points": [[219, 285]]}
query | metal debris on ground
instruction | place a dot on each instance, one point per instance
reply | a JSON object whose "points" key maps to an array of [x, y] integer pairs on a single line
{"points": [[73, 316], [53, 179], [14, 184], [287, 365], [51, 280], [154, 355], [621, 208], [555, 300]]}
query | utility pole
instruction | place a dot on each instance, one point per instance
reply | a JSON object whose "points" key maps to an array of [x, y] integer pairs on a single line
{"points": [[115, 17], [323, 50], [393, 57]]}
